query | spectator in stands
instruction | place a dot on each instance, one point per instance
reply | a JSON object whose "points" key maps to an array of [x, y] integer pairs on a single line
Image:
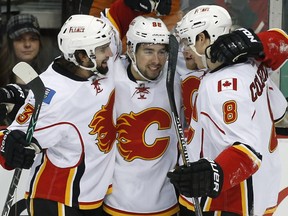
{"points": [[21, 43]]}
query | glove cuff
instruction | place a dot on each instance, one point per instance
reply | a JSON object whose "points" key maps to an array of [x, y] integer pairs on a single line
{"points": [[216, 179], [3, 143], [35, 145]]}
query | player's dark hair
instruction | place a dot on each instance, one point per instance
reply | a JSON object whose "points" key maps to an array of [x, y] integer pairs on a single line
{"points": [[66, 65]]}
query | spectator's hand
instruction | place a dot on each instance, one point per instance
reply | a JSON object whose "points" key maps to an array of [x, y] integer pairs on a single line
{"points": [[201, 178], [236, 46], [16, 151]]}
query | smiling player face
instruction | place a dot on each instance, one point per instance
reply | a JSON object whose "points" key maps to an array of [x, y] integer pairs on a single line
{"points": [[150, 59]]}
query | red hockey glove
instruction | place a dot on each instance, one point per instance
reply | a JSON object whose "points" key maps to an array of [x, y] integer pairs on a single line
{"points": [[16, 150], [275, 42], [201, 178], [236, 46]]}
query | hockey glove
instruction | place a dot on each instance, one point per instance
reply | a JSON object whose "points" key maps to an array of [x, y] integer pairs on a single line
{"points": [[16, 151], [12, 93], [236, 47], [201, 178], [146, 6], [163, 7]]}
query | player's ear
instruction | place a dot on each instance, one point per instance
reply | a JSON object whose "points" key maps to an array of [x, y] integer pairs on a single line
{"points": [[201, 37]]}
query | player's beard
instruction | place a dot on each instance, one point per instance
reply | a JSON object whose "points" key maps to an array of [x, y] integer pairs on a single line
{"points": [[102, 70]]}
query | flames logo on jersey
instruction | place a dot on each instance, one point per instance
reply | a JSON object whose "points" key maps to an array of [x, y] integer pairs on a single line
{"points": [[190, 91], [133, 134], [102, 124], [97, 85], [142, 90]]}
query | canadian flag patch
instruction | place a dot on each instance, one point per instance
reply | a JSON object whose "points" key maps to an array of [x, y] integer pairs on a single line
{"points": [[227, 84]]}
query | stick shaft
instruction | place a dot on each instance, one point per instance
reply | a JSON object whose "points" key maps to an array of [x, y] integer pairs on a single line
{"points": [[173, 54]]}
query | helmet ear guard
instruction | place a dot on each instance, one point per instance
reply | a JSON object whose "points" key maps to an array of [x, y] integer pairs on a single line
{"points": [[83, 32], [130, 51]]}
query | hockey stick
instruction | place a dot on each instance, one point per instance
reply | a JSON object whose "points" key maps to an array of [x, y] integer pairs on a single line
{"points": [[29, 76], [281, 131], [173, 55]]}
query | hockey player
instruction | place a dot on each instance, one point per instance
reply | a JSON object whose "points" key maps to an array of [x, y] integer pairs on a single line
{"points": [[146, 139], [75, 129], [231, 109]]}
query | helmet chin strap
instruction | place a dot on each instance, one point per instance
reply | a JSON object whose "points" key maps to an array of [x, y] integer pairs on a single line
{"points": [[203, 57], [93, 69], [134, 64]]}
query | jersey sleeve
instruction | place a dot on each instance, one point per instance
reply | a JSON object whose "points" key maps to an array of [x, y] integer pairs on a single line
{"points": [[277, 101], [240, 159], [120, 15], [275, 44], [97, 6]]}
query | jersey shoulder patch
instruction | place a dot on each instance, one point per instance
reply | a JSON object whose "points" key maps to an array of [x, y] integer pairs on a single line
{"points": [[49, 93], [227, 84]]}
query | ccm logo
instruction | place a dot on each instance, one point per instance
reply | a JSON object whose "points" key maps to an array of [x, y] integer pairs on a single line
{"points": [[248, 34]]}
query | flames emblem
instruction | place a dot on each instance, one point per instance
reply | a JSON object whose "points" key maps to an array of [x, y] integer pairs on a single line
{"points": [[132, 129], [190, 88], [102, 124]]}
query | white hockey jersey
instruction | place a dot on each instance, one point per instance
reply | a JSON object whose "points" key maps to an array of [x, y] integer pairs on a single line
{"points": [[146, 148], [76, 129]]}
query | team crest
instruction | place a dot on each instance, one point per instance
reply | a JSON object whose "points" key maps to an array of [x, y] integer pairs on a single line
{"points": [[141, 91], [97, 85]]}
